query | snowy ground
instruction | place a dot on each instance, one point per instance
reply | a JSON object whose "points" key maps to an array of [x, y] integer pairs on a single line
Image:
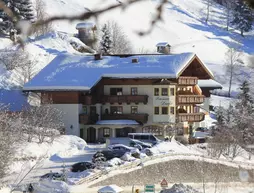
{"points": [[65, 150]]}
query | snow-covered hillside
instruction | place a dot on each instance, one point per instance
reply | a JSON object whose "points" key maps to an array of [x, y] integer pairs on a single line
{"points": [[183, 27]]}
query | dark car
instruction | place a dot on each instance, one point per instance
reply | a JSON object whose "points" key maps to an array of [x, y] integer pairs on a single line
{"points": [[107, 155], [139, 144], [82, 166], [52, 176]]}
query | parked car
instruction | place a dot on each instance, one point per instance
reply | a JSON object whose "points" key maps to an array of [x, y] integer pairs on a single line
{"points": [[107, 155], [144, 137], [52, 176], [82, 166], [123, 148], [139, 144], [132, 150]]}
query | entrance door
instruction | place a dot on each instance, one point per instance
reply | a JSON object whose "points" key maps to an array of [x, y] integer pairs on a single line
{"points": [[123, 132], [91, 135]]}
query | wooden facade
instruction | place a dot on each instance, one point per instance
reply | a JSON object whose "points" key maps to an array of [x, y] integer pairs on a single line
{"points": [[140, 117], [124, 99]]}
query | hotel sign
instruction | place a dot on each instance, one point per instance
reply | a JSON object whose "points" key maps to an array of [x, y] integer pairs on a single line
{"points": [[162, 101]]}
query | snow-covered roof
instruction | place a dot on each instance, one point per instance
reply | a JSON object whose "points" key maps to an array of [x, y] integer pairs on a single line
{"points": [[117, 122], [78, 71], [110, 189], [14, 100], [162, 44], [85, 25], [209, 84], [217, 101]]}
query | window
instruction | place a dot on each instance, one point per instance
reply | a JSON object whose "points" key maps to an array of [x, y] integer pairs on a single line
{"points": [[106, 132], [172, 110], [116, 91], [164, 110], [134, 91], [134, 110], [172, 91], [156, 110], [155, 130], [84, 109], [116, 110], [156, 91], [164, 92]]}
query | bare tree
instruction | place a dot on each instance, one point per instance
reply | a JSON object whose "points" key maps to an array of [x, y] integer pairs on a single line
{"points": [[120, 42], [42, 123], [12, 59], [8, 138], [232, 62], [208, 9], [229, 5], [40, 8], [84, 16]]}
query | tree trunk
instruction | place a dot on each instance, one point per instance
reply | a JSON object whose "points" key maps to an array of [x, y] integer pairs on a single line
{"points": [[230, 83], [208, 11], [242, 33], [227, 17]]}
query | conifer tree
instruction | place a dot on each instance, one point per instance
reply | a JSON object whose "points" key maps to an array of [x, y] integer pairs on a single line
{"points": [[244, 114], [106, 42], [242, 17], [23, 9]]}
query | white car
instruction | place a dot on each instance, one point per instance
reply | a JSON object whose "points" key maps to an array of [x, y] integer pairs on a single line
{"points": [[123, 148]]}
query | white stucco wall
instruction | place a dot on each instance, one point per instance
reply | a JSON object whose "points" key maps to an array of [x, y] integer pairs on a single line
{"points": [[70, 117]]}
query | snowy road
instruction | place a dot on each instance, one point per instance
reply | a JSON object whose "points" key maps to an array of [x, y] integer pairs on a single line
{"points": [[55, 164]]}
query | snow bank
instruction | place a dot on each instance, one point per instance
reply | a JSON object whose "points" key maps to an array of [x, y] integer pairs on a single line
{"points": [[47, 186], [180, 188], [5, 190], [64, 146], [74, 177], [167, 147], [127, 157], [114, 162]]}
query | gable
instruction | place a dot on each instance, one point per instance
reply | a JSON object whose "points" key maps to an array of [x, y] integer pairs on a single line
{"points": [[196, 68]]}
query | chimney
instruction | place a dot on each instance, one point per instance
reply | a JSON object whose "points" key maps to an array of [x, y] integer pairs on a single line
{"points": [[87, 33], [134, 60], [163, 48], [97, 56]]}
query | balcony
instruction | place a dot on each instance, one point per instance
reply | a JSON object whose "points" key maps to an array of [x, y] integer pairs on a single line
{"points": [[124, 99], [191, 117], [187, 97], [190, 99], [87, 119], [86, 99], [143, 118], [188, 81]]}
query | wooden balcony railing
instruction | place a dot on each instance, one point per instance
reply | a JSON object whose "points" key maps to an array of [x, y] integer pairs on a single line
{"points": [[190, 99], [187, 80], [88, 119], [191, 117], [86, 100], [143, 118], [124, 99]]}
